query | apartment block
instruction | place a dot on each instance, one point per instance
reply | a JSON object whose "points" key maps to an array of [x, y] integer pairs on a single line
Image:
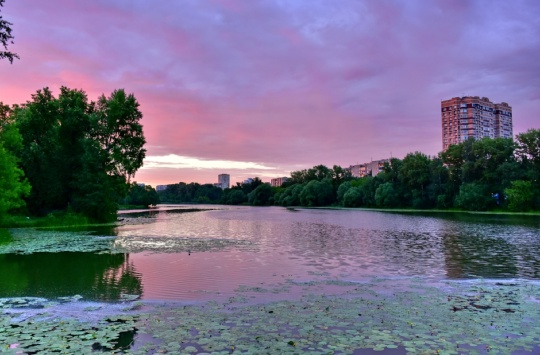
{"points": [[474, 117], [277, 182], [224, 181], [372, 168]]}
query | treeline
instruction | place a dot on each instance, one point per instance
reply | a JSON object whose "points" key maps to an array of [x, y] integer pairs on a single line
{"points": [[67, 153], [208, 193], [476, 175]]}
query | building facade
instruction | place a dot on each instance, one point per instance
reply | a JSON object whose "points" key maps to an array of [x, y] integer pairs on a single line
{"points": [[372, 168], [474, 117], [277, 182], [224, 181]]}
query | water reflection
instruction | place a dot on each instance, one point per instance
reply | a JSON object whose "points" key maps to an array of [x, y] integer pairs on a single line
{"points": [[198, 255], [93, 276]]}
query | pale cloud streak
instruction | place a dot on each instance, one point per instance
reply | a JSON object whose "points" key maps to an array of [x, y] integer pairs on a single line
{"points": [[173, 161]]}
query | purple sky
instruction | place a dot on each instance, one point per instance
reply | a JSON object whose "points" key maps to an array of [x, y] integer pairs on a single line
{"points": [[264, 87]]}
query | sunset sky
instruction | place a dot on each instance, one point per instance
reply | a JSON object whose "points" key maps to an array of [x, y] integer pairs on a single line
{"points": [[264, 87]]}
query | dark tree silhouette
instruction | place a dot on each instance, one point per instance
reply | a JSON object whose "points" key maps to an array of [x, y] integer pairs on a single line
{"points": [[6, 38]]}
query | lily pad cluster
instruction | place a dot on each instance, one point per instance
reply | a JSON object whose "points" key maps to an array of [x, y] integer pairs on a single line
{"points": [[414, 322], [455, 318], [29, 241], [66, 335]]}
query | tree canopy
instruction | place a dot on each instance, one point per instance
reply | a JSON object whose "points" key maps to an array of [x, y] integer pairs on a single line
{"points": [[6, 38], [77, 154]]}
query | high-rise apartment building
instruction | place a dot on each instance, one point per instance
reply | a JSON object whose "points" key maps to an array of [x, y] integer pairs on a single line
{"points": [[474, 117], [224, 181]]}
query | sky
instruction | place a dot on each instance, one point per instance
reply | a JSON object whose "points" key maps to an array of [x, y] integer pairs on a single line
{"points": [[265, 87]]}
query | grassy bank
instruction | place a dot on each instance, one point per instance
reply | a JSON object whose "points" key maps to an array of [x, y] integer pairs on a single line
{"points": [[412, 210], [52, 220]]}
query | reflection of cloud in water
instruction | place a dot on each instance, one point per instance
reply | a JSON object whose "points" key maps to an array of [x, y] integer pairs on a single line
{"points": [[177, 245]]}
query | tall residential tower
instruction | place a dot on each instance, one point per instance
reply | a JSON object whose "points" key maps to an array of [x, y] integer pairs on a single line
{"points": [[474, 117], [224, 181]]}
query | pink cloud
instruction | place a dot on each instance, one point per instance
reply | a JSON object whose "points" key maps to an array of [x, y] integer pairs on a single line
{"points": [[288, 84]]}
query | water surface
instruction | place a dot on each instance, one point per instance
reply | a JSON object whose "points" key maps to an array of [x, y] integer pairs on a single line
{"points": [[166, 254]]}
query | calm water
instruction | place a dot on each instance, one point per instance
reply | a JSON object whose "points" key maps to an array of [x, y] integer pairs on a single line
{"points": [[211, 254]]}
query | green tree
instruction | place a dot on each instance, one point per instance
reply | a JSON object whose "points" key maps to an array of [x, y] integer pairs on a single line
{"points": [[317, 193], [13, 185], [141, 195], [290, 196], [415, 175], [41, 160], [474, 197], [115, 126], [528, 153], [235, 197], [342, 190], [261, 196], [386, 196], [353, 197], [75, 150], [520, 196], [6, 38]]}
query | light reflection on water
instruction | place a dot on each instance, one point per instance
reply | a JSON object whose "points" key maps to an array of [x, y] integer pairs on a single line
{"points": [[268, 246], [190, 256]]}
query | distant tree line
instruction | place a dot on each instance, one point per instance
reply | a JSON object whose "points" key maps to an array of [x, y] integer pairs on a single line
{"points": [[476, 175], [67, 153]]}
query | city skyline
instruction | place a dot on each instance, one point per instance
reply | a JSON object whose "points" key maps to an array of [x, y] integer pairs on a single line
{"points": [[263, 88]]}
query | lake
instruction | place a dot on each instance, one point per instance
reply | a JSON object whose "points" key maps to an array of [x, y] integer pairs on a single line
{"points": [[463, 268]]}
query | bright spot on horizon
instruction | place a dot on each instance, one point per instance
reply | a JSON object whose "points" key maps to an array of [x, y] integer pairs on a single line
{"points": [[174, 161]]}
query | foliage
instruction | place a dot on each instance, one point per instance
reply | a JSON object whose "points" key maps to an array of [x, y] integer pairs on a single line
{"points": [[141, 195], [353, 197], [234, 197], [386, 196], [520, 196], [13, 184], [261, 196], [6, 38], [115, 126], [191, 193], [317, 193], [475, 197], [290, 196], [77, 154]]}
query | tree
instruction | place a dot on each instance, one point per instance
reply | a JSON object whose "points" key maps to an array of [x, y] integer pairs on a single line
{"points": [[6, 37], [385, 195], [234, 197], [474, 197], [520, 196], [41, 160], [317, 193], [13, 184], [261, 196], [415, 175], [79, 154], [115, 126], [141, 195], [353, 197], [290, 196]]}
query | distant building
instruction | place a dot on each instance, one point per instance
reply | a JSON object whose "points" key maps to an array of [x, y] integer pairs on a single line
{"points": [[161, 187], [372, 168], [248, 181], [224, 181], [474, 117], [277, 182]]}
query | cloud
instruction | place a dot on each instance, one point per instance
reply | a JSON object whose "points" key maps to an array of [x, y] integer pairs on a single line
{"points": [[282, 83], [172, 161]]}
